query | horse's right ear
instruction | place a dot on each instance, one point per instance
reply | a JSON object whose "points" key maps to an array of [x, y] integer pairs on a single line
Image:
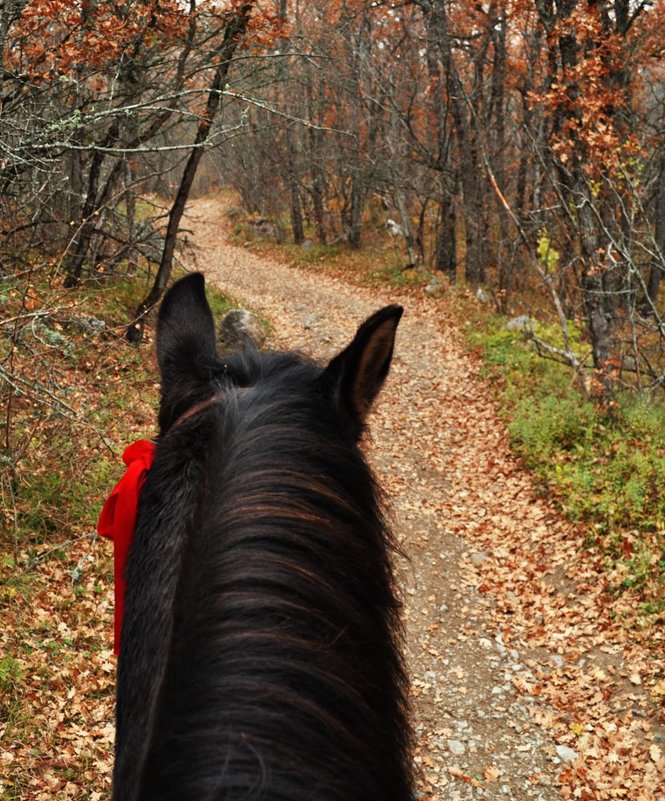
{"points": [[355, 376], [185, 331]]}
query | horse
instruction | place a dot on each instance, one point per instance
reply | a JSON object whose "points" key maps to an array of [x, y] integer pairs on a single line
{"points": [[261, 655]]}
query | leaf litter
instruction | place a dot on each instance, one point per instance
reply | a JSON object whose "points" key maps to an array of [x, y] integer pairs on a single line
{"points": [[526, 681], [519, 658]]}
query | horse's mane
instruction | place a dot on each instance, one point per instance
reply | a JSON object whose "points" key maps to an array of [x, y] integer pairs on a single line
{"points": [[260, 655]]}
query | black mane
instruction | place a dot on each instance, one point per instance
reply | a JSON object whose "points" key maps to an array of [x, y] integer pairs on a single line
{"points": [[260, 649]]}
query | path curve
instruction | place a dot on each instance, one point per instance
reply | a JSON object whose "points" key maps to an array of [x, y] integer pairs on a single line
{"points": [[497, 633]]}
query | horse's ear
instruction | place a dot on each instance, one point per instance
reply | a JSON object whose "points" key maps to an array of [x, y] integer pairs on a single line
{"points": [[185, 329], [357, 373]]}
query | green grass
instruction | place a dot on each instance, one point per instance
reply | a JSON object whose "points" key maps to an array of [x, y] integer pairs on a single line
{"points": [[10, 686]]}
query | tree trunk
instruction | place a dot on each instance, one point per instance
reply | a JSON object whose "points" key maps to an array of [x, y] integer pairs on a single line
{"points": [[318, 175], [86, 228], [445, 258], [292, 180], [405, 221], [356, 212], [232, 36], [465, 121], [474, 214], [297, 224], [658, 263], [498, 113], [597, 295]]}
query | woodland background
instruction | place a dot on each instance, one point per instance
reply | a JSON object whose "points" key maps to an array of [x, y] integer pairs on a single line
{"points": [[507, 139], [512, 149], [513, 145], [507, 155]]}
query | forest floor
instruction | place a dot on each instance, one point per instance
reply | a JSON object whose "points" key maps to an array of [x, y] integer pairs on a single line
{"points": [[525, 684]]}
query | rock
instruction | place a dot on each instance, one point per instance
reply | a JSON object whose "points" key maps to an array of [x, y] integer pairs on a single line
{"points": [[565, 754], [435, 287], [482, 296], [393, 228], [238, 327], [88, 324], [630, 363], [518, 323], [456, 747], [264, 229]]}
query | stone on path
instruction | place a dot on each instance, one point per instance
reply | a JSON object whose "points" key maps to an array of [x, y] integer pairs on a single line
{"points": [[240, 326]]}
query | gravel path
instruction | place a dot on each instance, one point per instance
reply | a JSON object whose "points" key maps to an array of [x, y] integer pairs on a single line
{"points": [[491, 635]]}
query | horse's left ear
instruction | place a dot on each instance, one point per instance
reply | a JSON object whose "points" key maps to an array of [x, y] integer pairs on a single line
{"points": [[185, 330], [357, 373]]}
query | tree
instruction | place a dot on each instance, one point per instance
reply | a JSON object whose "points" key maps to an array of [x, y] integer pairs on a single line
{"points": [[234, 30]]}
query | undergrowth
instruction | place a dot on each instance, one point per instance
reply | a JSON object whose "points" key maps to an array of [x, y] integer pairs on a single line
{"points": [[607, 472], [85, 388], [378, 262], [74, 396]]}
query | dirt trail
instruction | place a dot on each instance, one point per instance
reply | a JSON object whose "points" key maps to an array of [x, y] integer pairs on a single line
{"points": [[521, 688]]}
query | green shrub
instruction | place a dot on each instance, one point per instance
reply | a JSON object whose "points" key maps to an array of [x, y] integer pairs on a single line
{"points": [[10, 682], [606, 472]]}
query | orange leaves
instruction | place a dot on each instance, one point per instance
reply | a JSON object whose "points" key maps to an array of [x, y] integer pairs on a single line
{"points": [[265, 27], [650, 31], [54, 38], [586, 86]]}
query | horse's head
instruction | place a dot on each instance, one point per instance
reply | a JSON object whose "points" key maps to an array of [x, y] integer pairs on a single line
{"points": [[261, 641], [193, 372]]}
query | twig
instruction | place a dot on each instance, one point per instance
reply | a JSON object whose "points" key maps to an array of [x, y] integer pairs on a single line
{"points": [[91, 535], [20, 384]]}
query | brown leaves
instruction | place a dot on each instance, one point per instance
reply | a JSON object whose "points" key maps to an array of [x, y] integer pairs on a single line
{"points": [[54, 38], [58, 739]]}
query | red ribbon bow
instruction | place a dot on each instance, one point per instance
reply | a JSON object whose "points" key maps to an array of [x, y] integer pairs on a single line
{"points": [[118, 520]]}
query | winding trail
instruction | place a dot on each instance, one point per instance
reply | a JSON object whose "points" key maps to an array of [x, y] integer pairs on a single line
{"points": [[524, 686]]}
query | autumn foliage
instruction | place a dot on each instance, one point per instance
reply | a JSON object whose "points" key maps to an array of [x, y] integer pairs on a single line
{"points": [[518, 149]]}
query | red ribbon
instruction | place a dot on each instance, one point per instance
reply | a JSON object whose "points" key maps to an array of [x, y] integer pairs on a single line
{"points": [[118, 520]]}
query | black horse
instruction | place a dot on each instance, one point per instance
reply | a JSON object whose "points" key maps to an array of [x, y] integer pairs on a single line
{"points": [[260, 647]]}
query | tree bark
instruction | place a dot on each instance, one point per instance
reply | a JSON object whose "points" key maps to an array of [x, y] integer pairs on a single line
{"points": [[498, 113], [318, 175], [232, 35], [355, 214], [445, 258], [658, 263], [297, 223], [86, 228]]}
